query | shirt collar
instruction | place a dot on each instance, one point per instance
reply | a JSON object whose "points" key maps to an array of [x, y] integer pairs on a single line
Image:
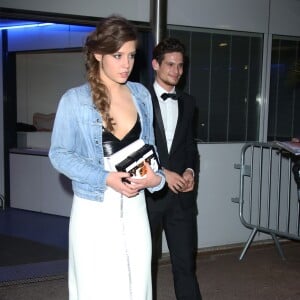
{"points": [[159, 90]]}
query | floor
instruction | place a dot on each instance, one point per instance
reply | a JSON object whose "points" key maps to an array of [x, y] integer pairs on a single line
{"points": [[44, 228], [261, 275]]}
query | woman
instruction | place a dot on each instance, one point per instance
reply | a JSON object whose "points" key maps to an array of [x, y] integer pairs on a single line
{"points": [[109, 236]]}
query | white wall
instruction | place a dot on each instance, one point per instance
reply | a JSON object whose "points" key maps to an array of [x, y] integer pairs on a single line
{"points": [[132, 9], [40, 72], [285, 17], [218, 220], [244, 15], [239, 15]]}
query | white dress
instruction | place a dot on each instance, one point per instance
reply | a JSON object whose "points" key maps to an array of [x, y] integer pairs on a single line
{"points": [[110, 242], [110, 249]]}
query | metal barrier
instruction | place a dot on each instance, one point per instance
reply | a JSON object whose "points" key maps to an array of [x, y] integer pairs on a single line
{"points": [[268, 194]]}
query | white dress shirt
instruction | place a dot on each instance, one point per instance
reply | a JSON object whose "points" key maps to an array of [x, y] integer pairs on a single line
{"points": [[169, 113]]}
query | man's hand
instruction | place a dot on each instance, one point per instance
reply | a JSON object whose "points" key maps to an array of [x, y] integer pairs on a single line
{"points": [[176, 183], [188, 176]]}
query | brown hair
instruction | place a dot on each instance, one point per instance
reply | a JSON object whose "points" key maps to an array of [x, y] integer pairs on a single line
{"points": [[108, 37], [167, 45]]}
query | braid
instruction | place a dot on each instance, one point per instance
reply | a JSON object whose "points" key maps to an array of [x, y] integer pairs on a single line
{"points": [[99, 91], [108, 37]]}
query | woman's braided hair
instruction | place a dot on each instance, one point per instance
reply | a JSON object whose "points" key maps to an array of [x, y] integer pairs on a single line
{"points": [[108, 37]]}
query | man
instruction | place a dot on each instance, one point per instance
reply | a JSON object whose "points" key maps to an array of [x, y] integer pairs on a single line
{"points": [[296, 167], [174, 208]]}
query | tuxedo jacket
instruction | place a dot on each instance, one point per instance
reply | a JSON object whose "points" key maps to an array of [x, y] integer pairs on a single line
{"points": [[183, 152]]}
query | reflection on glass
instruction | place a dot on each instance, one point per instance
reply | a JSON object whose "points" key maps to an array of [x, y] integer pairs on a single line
{"points": [[284, 104], [224, 69]]}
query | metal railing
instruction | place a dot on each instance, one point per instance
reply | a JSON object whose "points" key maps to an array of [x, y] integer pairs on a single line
{"points": [[268, 194]]}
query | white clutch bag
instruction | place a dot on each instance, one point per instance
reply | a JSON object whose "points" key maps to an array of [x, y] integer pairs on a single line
{"points": [[131, 159]]}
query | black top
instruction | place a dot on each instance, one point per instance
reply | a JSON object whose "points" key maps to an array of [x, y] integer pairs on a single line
{"points": [[112, 144]]}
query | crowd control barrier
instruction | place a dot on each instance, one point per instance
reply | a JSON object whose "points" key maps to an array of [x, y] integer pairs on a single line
{"points": [[269, 192]]}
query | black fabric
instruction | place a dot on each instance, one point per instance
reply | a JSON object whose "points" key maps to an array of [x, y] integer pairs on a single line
{"points": [[296, 171], [176, 213], [166, 96], [112, 144], [25, 127]]}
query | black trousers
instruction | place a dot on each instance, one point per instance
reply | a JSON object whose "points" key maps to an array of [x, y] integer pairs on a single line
{"points": [[180, 227]]}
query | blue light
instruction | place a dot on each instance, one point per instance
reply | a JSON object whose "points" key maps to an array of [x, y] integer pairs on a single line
{"points": [[26, 26]]}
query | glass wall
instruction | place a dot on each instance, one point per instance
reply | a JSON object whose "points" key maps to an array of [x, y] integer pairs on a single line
{"points": [[224, 75], [284, 102]]}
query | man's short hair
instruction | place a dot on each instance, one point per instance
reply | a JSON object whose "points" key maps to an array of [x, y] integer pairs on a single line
{"points": [[167, 45]]}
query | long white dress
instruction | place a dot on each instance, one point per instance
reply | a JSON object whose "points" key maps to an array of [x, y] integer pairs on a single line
{"points": [[110, 249], [110, 241]]}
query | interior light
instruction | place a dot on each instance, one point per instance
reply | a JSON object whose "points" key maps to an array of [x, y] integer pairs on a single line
{"points": [[223, 44], [258, 100], [26, 26]]}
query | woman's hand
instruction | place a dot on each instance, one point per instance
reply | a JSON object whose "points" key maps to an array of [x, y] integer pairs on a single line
{"points": [[119, 181], [151, 179]]}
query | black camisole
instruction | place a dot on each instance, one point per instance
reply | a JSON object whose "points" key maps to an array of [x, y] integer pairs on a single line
{"points": [[112, 144]]}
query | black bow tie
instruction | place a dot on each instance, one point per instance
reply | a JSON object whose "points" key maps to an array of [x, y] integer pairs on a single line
{"points": [[165, 96]]}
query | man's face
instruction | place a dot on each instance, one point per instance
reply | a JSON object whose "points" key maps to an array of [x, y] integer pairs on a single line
{"points": [[169, 71]]}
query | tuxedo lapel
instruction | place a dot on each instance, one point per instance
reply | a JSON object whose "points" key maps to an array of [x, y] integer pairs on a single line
{"points": [[159, 125], [158, 122]]}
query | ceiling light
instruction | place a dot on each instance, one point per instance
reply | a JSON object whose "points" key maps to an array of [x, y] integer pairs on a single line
{"points": [[25, 26], [223, 45]]}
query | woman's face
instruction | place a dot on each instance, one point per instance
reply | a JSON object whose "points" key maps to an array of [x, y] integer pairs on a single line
{"points": [[116, 67]]}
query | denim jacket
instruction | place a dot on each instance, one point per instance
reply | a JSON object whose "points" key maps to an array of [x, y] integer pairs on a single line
{"points": [[76, 143]]}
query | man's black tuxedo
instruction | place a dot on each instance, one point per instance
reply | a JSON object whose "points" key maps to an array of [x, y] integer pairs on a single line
{"points": [[176, 213], [183, 153]]}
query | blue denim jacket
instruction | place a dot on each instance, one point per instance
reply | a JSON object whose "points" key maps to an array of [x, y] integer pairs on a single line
{"points": [[76, 142]]}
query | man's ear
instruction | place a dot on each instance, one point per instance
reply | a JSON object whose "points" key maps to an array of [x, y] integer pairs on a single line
{"points": [[98, 56], [155, 64]]}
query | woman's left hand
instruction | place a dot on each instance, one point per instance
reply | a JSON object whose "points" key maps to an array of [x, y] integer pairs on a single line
{"points": [[151, 179]]}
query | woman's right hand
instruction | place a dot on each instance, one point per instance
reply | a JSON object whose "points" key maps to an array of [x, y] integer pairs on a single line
{"points": [[117, 181]]}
